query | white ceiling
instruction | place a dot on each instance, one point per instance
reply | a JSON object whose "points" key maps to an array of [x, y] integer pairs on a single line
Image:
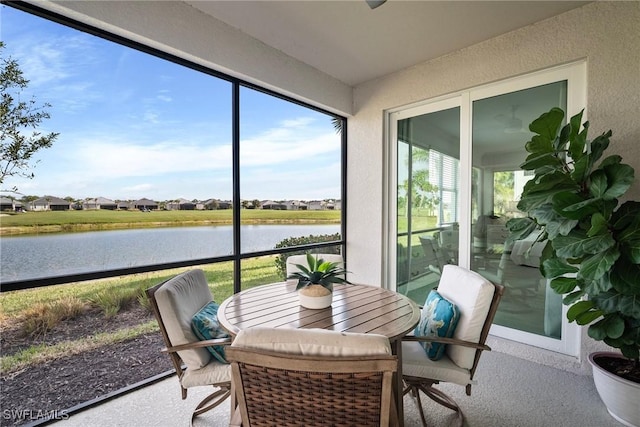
{"points": [[353, 43]]}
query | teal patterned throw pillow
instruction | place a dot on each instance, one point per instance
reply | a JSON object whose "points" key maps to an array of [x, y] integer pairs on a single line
{"points": [[206, 327], [439, 318]]}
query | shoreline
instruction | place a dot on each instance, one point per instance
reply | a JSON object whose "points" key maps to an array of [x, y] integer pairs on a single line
{"points": [[24, 230]]}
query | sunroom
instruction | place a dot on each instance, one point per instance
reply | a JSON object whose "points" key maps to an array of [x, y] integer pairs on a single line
{"points": [[432, 131]]}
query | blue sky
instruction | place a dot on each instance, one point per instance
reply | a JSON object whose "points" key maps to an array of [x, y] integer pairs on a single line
{"points": [[132, 125]]}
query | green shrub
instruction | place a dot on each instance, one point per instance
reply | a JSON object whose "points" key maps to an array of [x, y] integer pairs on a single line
{"points": [[111, 301], [281, 260]]}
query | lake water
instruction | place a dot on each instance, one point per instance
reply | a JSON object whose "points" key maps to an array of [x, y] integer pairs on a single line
{"points": [[30, 257]]}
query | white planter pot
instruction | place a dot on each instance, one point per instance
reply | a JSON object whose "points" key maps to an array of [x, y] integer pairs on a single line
{"points": [[315, 302], [620, 396]]}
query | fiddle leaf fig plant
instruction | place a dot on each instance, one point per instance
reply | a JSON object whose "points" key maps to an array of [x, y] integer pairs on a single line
{"points": [[592, 254], [319, 272]]}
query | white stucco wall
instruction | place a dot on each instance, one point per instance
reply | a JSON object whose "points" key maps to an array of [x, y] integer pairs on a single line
{"points": [[606, 34], [181, 30]]}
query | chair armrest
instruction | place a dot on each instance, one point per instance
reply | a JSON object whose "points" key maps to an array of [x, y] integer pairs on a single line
{"points": [[236, 418], [197, 344], [449, 341]]}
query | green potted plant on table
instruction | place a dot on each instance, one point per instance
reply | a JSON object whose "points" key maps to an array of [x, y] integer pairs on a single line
{"points": [[316, 280], [592, 254]]}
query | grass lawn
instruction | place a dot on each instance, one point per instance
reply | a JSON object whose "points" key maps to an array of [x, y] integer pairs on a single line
{"points": [[37, 310]]}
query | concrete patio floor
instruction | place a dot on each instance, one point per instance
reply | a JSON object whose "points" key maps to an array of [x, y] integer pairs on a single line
{"points": [[511, 392]]}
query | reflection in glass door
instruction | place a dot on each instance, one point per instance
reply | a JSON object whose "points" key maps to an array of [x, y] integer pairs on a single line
{"points": [[428, 199], [499, 134]]}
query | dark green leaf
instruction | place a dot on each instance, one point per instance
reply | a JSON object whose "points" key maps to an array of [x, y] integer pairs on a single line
{"points": [[581, 169], [568, 204], [631, 250], [596, 265], [598, 145], [628, 213], [619, 177], [577, 244], [563, 285], [625, 277], [598, 225], [555, 267], [561, 226], [596, 286], [629, 234], [538, 160], [519, 229], [538, 145], [562, 139], [541, 190], [573, 297], [577, 143], [610, 326], [581, 209], [598, 184], [614, 159], [612, 302], [587, 317], [578, 308], [548, 123]]}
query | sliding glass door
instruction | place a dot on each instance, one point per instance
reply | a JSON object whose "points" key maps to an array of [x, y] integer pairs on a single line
{"points": [[455, 181], [428, 193], [499, 133]]}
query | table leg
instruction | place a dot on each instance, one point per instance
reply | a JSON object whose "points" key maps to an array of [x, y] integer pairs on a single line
{"points": [[396, 349]]}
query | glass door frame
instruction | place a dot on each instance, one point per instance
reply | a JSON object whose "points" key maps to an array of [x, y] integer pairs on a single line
{"points": [[575, 75]]}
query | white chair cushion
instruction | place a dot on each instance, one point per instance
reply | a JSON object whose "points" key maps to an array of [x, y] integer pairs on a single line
{"points": [[213, 373], [313, 342], [472, 294], [178, 300], [415, 363], [302, 259]]}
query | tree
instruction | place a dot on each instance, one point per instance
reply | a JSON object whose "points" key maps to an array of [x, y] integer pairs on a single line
{"points": [[17, 145], [503, 191]]}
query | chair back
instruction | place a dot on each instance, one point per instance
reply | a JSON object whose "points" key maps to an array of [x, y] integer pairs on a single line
{"points": [[435, 258], [302, 259], [477, 300], [312, 377], [174, 302], [448, 243]]}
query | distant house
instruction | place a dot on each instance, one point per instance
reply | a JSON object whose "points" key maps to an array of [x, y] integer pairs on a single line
{"points": [[181, 205], [224, 204], [316, 205], [295, 205], [215, 204], [124, 205], [8, 204], [99, 203], [145, 205], [50, 203], [276, 206]]}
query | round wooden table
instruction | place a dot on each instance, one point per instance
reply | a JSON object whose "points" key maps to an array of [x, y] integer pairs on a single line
{"points": [[355, 308]]}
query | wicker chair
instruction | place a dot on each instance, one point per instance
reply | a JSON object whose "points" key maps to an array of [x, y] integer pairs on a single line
{"points": [[477, 300], [174, 302], [312, 377]]}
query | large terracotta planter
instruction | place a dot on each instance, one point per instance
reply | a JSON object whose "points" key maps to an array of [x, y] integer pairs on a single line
{"points": [[620, 396]]}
